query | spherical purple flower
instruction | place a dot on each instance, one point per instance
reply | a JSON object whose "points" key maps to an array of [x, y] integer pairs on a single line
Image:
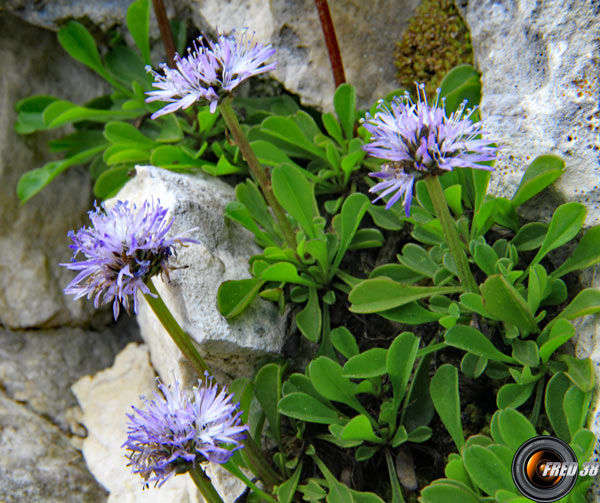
{"points": [[123, 248], [421, 140], [210, 71], [176, 432]]}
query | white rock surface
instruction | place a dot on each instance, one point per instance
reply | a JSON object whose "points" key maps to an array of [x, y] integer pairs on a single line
{"points": [[367, 33], [541, 94], [33, 237], [105, 399], [231, 348], [541, 91]]}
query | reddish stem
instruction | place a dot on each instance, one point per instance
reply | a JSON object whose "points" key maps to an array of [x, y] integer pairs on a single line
{"points": [[165, 30], [335, 58]]}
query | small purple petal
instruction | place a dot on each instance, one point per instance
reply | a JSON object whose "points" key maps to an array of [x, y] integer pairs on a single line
{"points": [[177, 428]]}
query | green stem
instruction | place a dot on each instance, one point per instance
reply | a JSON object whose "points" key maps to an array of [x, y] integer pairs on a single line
{"points": [[234, 470], [208, 491], [451, 234], [258, 463], [396, 490], [537, 405], [257, 170], [181, 339]]}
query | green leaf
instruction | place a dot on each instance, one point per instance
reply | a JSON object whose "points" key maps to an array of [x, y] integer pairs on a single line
{"points": [[444, 394], [249, 195], [333, 128], [366, 238], [485, 257], [309, 320], [370, 363], [585, 255], [487, 470], [124, 133], [77, 41], [286, 490], [35, 180], [127, 66], [419, 408], [400, 359], [580, 371], [564, 226], [513, 395], [503, 302], [267, 389], [359, 428], [138, 20], [328, 379], [472, 340], [461, 83], [576, 406], [515, 428], [343, 340], [560, 333], [296, 195], [530, 236], [583, 444], [353, 210], [380, 294], [344, 102], [234, 296], [385, 219], [585, 302], [111, 181], [242, 389], [556, 389], [541, 173], [420, 434], [284, 272], [63, 112], [416, 258], [30, 113], [526, 352], [448, 491], [410, 314], [296, 133]]}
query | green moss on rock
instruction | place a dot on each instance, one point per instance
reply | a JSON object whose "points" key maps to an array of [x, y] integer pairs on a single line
{"points": [[436, 40]]}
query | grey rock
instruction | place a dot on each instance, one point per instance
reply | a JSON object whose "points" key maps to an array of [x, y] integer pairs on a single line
{"points": [[541, 92], [38, 368], [366, 32], [234, 347], [33, 237], [38, 464]]}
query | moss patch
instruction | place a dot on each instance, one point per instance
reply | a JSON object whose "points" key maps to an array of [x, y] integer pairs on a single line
{"points": [[436, 40]]}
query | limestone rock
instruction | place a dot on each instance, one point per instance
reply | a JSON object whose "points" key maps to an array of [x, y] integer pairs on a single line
{"points": [[366, 32], [33, 237], [38, 464], [541, 92], [38, 368], [232, 348]]}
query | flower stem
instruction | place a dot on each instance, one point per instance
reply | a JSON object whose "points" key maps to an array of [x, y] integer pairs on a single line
{"points": [[258, 464], [165, 30], [333, 49], [396, 490], [180, 338], [451, 234], [257, 170], [208, 491]]}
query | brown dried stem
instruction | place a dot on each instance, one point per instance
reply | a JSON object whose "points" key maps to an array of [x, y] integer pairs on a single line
{"points": [[333, 49], [165, 30]]}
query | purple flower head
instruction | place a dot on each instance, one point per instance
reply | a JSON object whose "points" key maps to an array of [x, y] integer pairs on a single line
{"points": [[420, 140], [123, 248], [175, 432], [210, 71]]}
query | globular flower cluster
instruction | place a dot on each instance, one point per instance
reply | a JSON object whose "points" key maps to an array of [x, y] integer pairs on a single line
{"points": [[210, 71], [175, 432], [123, 247], [420, 140]]}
